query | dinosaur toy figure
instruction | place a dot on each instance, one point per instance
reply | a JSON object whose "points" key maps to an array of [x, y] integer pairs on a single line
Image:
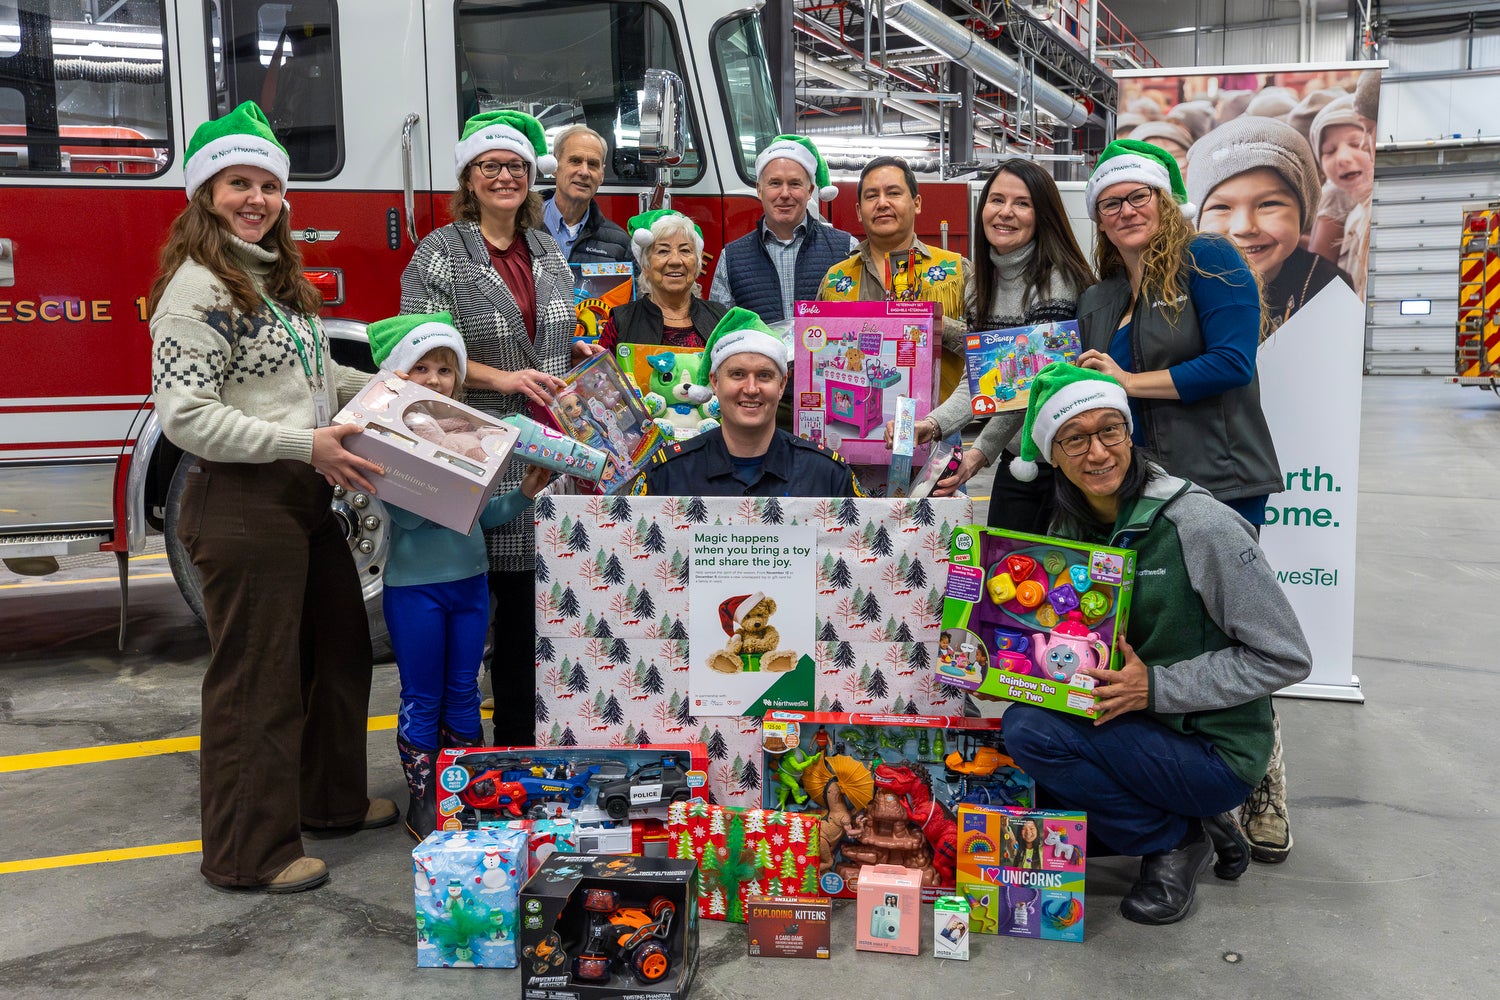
{"points": [[924, 811], [789, 777]]}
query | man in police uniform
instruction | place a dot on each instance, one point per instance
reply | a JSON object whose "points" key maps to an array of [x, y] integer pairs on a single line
{"points": [[747, 455]]}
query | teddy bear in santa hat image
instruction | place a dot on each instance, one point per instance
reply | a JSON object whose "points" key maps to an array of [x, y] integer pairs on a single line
{"points": [[746, 619]]}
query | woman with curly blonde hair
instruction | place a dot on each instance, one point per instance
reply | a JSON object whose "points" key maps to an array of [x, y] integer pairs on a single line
{"points": [[1176, 319]]}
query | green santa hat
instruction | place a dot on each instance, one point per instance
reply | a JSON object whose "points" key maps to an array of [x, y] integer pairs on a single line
{"points": [[740, 331], [1131, 160], [1059, 393], [242, 138], [800, 150], [401, 341], [513, 131], [642, 229]]}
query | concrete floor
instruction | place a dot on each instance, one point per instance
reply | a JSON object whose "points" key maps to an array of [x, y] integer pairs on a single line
{"points": [[1388, 891]]}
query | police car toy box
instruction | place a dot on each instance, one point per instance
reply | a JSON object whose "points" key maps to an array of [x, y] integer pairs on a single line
{"points": [[616, 797], [1025, 615], [596, 927]]}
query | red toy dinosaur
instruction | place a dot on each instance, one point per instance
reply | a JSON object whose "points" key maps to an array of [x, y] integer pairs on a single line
{"points": [[934, 821]]}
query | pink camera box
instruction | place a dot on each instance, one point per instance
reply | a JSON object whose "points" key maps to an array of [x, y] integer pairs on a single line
{"points": [[853, 359], [889, 910], [441, 458]]}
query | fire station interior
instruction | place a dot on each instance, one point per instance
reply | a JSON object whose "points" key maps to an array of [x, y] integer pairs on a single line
{"points": [[1384, 892]]}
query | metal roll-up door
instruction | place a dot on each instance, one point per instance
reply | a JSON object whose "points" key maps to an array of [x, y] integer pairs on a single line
{"points": [[1414, 248]]}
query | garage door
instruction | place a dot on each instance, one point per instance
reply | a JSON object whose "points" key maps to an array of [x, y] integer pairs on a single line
{"points": [[1414, 257]]}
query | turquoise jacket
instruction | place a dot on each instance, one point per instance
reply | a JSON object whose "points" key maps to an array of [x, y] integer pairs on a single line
{"points": [[424, 552]]}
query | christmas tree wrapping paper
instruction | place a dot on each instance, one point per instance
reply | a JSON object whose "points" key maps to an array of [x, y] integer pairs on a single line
{"points": [[613, 616], [743, 853]]}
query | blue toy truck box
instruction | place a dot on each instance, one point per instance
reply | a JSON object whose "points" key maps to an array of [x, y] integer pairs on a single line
{"points": [[1024, 615], [599, 927], [467, 887]]}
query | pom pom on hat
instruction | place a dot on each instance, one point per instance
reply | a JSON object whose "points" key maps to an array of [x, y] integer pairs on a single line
{"points": [[740, 331], [1059, 393], [399, 342], [514, 131], [801, 151], [641, 226], [1131, 160], [734, 609], [242, 138]]}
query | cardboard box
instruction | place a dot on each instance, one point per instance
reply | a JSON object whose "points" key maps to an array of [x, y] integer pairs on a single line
{"points": [[1001, 364], [467, 885], [897, 777], [433, 466], [597, 289], [1022, 614], [743, 853], [852, 360], [950, 927], [788, 926], [1022, 871], [600, 408], [597, 927], [889, 910]]}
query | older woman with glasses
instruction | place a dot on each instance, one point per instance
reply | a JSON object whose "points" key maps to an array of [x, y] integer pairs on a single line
{"points": [[1184, 727], [668, 248], [499, 272], [1176, 320]]}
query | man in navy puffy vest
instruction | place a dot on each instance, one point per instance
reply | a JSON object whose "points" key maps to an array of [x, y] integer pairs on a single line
{"points": [[783, 259]]}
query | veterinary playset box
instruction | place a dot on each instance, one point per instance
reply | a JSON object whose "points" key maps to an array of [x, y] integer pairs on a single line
{"points": [[852, 359], [1023, 614], [1022, 871]]}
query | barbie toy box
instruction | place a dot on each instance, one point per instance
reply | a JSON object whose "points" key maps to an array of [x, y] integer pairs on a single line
{"points": [[1024, 615], [1022, 871], [597, 289], [852, 360], [1002, 363], [441, 458], [467, 884]]}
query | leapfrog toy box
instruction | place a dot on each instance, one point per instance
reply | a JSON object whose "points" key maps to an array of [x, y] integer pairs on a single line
{"points": [[852, 359], [1022, 871], [1002, 363], [1023, 614], [467, 886]]}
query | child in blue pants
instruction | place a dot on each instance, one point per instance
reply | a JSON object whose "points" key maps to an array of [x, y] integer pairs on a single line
{"points": [[436, 592]]}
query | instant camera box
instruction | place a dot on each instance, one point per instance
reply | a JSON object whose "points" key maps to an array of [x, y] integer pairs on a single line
{"points": [[441, 458], [1001, 364], [1022, 871], [788, 926], [852, 360], [466, 889], [596, 927], [884, 787], [1024, 614], [889, 917], [597, 289]]}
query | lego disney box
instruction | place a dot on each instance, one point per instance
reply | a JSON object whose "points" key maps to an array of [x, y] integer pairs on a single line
{"points": [[852, 360], [441, 458], [1024, 614], [1022, 871], [1002, 363]]}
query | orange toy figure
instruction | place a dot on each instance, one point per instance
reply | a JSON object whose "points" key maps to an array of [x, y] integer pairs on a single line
{"points": [[625, 935]]}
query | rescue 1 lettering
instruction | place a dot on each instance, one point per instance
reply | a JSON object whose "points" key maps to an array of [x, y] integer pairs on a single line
{"points": [[54, 310]]}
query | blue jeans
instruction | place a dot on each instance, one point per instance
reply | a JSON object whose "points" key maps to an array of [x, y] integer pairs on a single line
{"points": [[1140, 783], [437, 633]]}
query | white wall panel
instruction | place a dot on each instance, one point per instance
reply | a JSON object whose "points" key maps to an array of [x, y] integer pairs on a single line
{"points": [[1426, 55], [1465, 105], [1249, 46]]}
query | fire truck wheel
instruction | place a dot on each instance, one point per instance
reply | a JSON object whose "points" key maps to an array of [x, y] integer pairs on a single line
{"points": [[364, 523]]}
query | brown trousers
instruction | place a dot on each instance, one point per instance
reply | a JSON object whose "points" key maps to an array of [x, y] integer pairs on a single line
{"points": [[287, 691]]}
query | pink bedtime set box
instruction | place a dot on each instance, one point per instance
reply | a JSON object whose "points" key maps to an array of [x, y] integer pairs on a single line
{"points": [[441, 458], [852, 360], [889, 900]]}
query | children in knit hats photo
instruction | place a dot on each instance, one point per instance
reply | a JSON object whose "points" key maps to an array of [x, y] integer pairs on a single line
{"points": [[1254, 180], [436, 597], [1343, 140]]}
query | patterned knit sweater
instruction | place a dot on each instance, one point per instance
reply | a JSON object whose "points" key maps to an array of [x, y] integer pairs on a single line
{"points": [[1012, 303], [229, 386]]}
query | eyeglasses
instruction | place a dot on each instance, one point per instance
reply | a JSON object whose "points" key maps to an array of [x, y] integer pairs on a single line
{"points": [[1136, 199], [491, 168], [1075, 445]]}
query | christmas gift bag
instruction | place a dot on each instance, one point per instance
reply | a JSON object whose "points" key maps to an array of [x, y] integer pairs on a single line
{"points": [[743, 853]]}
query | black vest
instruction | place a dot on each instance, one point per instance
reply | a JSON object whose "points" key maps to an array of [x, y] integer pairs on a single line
{"points": [[753, 281]]}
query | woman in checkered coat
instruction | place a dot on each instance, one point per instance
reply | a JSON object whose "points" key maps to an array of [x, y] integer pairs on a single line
{"points": [[498, 271]]}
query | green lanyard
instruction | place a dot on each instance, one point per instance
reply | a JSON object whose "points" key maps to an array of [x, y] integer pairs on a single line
{"points": [[297, 341]]}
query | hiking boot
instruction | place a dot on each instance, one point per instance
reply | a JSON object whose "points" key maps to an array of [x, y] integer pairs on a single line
{"points": [[1264, 814], [421, 808], [299, 876], [381, 812]]}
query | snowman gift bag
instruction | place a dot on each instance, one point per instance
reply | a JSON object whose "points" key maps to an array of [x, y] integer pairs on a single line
{"points": [[468, 885]]}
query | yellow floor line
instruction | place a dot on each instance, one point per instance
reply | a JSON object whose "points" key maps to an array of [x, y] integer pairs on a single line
{"points": [[101, 857], [66, 583]]}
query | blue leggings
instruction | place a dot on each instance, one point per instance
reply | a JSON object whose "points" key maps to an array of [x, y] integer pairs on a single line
{"points": [[1140, 782], [437, 632]]}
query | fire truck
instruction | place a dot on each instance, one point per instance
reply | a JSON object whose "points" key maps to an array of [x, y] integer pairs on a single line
{"points": [[98, 99]]}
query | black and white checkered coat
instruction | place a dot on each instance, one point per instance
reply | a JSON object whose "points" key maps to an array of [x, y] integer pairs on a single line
{"points": [[451, 271]]}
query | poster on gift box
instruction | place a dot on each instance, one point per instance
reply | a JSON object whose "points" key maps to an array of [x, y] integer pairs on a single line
{"points": [[751, 627]]}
